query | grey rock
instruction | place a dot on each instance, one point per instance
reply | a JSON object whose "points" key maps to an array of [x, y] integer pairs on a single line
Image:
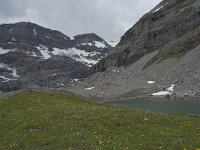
{"points": [[23, 65], [163, 46], [159, 27]]}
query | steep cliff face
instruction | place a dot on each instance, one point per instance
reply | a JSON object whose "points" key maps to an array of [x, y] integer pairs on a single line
{"points": [[159, 55], [168, 22]]}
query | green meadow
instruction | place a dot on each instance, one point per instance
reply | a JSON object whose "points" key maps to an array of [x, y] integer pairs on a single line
{"points": [[63, 121]]}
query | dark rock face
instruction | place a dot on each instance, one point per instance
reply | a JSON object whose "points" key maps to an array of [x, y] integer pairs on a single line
{"points": [[34, 56], [29, 33], [54, 72], [168, 22], [10, 86]]}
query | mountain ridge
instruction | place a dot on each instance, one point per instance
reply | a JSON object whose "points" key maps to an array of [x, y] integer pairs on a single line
{"points": [[44, 57]]}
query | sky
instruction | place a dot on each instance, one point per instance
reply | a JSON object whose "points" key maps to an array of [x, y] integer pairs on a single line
{"points": [[109, 19]]}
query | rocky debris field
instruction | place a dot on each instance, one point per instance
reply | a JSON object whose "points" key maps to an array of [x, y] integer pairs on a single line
{"points": [[172, 77]]}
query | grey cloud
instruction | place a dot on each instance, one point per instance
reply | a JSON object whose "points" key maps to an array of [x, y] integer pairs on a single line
{"points": [[107, 18]]}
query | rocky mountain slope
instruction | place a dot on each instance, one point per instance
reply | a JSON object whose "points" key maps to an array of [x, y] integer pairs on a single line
{"points": [[159, 55], [34, 56], [170, 21]]}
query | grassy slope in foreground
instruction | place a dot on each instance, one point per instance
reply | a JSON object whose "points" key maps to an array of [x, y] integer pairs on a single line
{"points": [[60, 121]]}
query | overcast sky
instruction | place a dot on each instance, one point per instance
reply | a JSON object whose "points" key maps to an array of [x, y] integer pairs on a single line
{"points": [[107, 18]]}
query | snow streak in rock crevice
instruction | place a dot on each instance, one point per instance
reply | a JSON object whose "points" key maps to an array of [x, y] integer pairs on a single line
{"points": [[4, 51]]}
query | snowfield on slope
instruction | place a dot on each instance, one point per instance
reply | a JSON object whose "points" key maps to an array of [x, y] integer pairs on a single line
{"points": [[169, 91], [44, 51], [74, 53], [99, 44]]}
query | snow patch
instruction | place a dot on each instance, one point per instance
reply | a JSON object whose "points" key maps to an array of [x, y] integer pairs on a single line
{"points": [[14, 74], [14, 70], [90, 88], [162, 93], [169, 91], [74, 80], [99, 44], [116, 71], [70, 52], [79, 52], [95, 53], [44, 51], [3, 65], [90, 44], [34, 32], [171, 88], [5, 79], [34, 54], [13, 39], [48, 37], [151, 82], [45, 54], [78, 55], [4, 51], [158, 8], [11, 30], [54, 74], [88, 62], [72, 38]]}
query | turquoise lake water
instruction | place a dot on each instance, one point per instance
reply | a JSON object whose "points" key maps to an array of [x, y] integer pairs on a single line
{"points": [[181, 106]]}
